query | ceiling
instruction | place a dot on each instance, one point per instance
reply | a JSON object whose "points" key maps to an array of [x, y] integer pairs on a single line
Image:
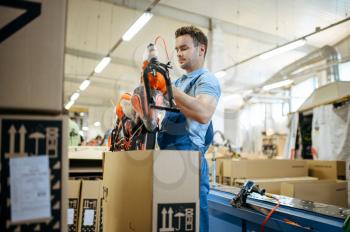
{"points": [[248, 28]]}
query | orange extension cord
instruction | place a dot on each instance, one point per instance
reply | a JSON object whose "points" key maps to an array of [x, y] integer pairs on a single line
{"points": [[270, 213], [165, 46]]}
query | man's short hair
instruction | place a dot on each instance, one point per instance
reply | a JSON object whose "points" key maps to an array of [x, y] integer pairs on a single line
{"points": [[196, 34]]}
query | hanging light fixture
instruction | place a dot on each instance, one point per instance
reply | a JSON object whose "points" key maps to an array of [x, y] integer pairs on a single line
{"points": [[277, 85], [69, 105], [137, 26], [282, 49], [84, 84], [103, 64]]}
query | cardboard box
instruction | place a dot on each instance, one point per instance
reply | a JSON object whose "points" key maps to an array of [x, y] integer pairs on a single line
{"points": [[247, 169], [90, 203], [31, 137], [100, 221], [327, 169], [273, 185], [324, 191], [73, 195], [151, 190], [32, 59]]}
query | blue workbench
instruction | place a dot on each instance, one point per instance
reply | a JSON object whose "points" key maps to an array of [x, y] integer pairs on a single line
{"points": [[310, 216]]}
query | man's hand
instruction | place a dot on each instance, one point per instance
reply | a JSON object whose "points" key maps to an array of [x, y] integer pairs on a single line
{"points": [[200, 108]]}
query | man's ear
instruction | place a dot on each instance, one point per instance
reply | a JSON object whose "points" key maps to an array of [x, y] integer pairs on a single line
{"points": [[201, 49]]}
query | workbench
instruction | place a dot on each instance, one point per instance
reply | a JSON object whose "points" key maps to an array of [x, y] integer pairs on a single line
{"points": [[305, 215]]}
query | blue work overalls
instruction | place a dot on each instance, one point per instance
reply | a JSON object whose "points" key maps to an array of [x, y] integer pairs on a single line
{"points": [[174, 136]]}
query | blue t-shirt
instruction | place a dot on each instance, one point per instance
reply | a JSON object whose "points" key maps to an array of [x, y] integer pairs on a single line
{"points": [[205, 84]]}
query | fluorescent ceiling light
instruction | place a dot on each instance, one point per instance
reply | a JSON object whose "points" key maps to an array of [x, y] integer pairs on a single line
{"points": [[84, 84], [282, 49], [277, 85], [85, 128], [136, 27], [220, 74], [75, 96], [69, 105], [103, 63], [97, 124]]}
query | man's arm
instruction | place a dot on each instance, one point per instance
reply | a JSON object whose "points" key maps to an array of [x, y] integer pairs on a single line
{"points": [[200, 108]]}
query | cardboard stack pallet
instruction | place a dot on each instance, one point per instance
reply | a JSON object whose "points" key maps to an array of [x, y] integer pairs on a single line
{"points": [[294, 178], [331, 188], [333, 192], [84, 211], [257, 169]]}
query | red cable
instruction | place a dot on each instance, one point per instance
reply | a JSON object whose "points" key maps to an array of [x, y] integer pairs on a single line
{"points": [[270, 214], [165, 47]]}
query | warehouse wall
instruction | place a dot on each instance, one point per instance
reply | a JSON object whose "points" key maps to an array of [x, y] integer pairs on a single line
{"points": [[244, 127]]}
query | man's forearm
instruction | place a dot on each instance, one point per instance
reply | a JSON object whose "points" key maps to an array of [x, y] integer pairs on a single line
{"points": [[192, 107]]}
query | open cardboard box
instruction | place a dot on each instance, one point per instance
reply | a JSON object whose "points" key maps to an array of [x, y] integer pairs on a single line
{"points": [[151, 190]]}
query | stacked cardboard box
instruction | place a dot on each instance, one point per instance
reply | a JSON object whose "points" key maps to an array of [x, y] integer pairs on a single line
{"points": [[84, 211], [332, 192], [37, 169], [73, 194], [90, 205], [273, 185], [253, 169], [151, 191], [327, 169]]}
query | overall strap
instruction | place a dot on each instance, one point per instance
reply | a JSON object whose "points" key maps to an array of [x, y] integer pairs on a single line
{"points": [[191, 84]]}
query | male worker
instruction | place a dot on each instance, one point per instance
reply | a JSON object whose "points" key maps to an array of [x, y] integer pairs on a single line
{"points": [[196, 95]]}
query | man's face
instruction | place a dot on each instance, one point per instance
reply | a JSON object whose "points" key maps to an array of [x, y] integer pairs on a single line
{"points": [[188, 55]]}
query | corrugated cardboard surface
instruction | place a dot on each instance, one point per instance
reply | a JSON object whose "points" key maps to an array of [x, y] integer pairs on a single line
{"points": [[32, 58], [323, 191], [176, 180], [58, 162], [273, 185], [128, 178], [327, 169], [73, 195], [90, 199], [137, 182], [264, 168]]}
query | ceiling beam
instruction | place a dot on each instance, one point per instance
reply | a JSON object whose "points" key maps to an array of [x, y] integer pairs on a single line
{"points": [[204, 21], [111, 85], [98, 56]]}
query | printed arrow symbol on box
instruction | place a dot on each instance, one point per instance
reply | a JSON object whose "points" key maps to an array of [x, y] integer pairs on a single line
{"points": [[170, 212], [164, 213], [33, 10], [12, 132]]}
